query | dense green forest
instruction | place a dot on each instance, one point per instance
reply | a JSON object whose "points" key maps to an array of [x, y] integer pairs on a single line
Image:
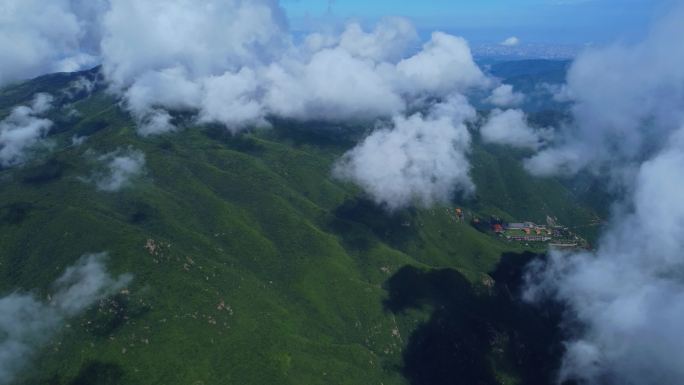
{"points": [[251, 264]]}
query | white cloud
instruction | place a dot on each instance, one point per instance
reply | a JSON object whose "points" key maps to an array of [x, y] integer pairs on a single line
{"points": [[75, 63], [205, 40], [78, 140], [388, 42], [37, 37], [504, 96], [565, 161], [336, 83], [418, 160], [82, 85], [23, 130], [258, 72], [235, 63], [121, 167], [626, 110], [27, 323], [178, 55], [444, 66], [332, 85], [559, 92], [41, 103], [84, 283], [628, 295], [510, 42], [155, 122], [510, 127], [232, 99], [169, 88]]}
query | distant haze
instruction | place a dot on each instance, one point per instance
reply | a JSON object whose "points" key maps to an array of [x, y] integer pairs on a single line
{"points": [[491, 21]]}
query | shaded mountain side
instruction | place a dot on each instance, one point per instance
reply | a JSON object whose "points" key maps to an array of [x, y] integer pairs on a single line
{"points": [[252, 264], [477, 335]]}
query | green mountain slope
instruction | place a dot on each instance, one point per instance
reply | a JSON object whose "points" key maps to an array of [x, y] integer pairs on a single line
{"points": [[252, 265]]}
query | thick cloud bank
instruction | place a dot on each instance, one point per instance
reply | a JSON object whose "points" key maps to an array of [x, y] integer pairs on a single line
{"points": [[241, 71], [27, 323], [233, 63], [182, 55], [419, 159], [23, 129], [38, 37], [627, 296]]}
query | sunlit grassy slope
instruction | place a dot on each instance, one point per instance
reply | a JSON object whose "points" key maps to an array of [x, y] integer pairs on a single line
{"points": [[266, 270]]}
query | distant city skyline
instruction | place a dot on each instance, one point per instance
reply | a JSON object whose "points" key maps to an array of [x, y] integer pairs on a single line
{"points": [[570, 22]]}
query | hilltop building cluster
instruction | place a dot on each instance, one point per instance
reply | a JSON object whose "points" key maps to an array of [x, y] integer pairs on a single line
{"points": [[553, 233], [525, 231]]}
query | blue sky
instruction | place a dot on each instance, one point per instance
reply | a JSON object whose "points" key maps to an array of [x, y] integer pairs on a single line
{"points": [[534, 21]]}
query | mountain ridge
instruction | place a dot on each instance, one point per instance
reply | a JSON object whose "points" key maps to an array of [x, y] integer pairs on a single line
{"points": [[251, 262]]}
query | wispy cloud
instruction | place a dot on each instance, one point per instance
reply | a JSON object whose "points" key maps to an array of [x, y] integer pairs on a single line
{"points": [[504, 96], [27, 323], [510, 127], [510, 42], [118, 169], [23, 130]]}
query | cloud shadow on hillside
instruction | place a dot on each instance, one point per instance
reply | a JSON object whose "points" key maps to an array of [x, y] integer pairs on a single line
{"points": [[470, 329]]}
